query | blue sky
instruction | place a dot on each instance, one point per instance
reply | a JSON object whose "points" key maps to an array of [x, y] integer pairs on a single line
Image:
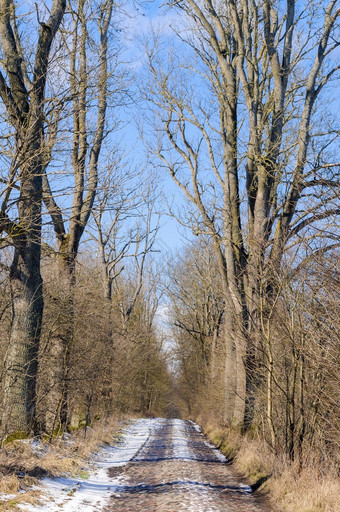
{"points": [[138, 24]]}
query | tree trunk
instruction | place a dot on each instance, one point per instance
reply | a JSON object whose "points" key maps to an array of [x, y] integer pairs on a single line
{"points": [[241, 381], [57, 400], [85, 167], [25, 108], [19, 384], [229, 379]]}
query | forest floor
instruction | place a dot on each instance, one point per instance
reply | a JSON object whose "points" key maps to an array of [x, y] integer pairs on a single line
{"points": [[158, 465]]}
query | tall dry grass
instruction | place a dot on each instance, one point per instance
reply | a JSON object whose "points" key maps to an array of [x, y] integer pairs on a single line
{"points": [[306, 491], [288, 487]]}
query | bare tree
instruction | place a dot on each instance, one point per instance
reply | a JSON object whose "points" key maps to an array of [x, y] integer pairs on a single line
{"points": [[301, 361], [22, 90], [243, 144], [196, 309], [115, 212], [127, 226], [85, 76]]}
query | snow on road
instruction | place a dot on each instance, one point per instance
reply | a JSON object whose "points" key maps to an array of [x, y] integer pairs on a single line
{"points": [[90, 494], [181, 450], [159, 465], [180, 446]]}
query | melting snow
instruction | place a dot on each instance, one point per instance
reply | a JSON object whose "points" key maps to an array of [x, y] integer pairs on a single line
{"points": [[70, 494], [179, 442]]}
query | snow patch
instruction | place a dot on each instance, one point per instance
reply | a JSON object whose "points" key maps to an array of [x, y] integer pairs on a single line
{"points": [[217, 453], [196, 427], [7, 497], [70, 494], [127, 447], [246, 489], [180, 445]]}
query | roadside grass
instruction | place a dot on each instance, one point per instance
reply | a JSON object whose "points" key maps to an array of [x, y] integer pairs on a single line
{"points": [[24, 461], [307, 491], [288, 487], [9, 484]]}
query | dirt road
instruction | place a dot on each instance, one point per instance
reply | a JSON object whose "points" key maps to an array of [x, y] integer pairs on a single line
{"points": [[158, 465], [177, 470]]}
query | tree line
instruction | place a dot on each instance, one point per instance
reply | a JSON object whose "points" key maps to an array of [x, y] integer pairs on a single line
{"points": [[77, 335], [244, 102], [237, 108]]}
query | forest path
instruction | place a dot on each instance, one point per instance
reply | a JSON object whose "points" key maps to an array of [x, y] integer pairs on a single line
{"points": [[159, 465], [177, 470]]}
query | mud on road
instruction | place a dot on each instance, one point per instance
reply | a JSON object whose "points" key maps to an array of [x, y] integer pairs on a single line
{"points": [[177, 470]]}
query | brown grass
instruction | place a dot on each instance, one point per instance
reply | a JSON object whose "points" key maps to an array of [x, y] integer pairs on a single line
{"points": [[289, 488], [21, 464], [31, 497], [306, 491], [9, 484]]}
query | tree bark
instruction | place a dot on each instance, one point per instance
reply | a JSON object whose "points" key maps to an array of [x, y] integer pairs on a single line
{"points": [[25, 109], [19, 383]]}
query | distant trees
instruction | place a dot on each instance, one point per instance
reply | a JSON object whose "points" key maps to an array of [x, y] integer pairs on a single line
{"points": [[113, 366], [240, 133], [196, 311]]}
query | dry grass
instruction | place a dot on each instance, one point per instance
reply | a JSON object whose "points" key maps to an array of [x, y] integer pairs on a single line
{"points": [[228, 441], [254, 461], [21, 458], [306, 491], [22, 462], [9, 484], [289, 488], [31, 497]]}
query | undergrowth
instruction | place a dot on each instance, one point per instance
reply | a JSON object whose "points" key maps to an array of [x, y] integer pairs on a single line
{"points": [[288, 487]]}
